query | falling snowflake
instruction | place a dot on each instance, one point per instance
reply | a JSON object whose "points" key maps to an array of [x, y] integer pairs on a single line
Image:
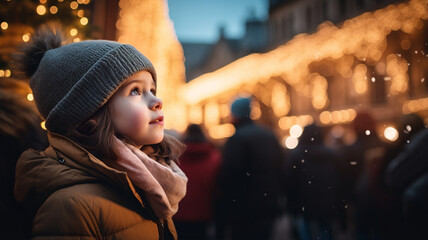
{"points": [[303, 160], [312, 139], [416, 51], [309, 182], [408, 141], [248, 174], [367, 132], [423, 79], [373, 79], [408, 128]]}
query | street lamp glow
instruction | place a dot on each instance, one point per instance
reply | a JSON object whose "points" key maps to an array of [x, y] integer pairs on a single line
{"points": [[296, 131], [291, 142], [391, 134]]}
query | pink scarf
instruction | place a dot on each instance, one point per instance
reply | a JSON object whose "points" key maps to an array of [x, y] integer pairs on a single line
{"points": [[164, 185]]}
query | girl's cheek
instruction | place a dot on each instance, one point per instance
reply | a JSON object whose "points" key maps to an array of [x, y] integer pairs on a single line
{"points": [[138, 120]]}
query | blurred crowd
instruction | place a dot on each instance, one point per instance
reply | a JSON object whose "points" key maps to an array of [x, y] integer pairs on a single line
{"points": [[246, 187]]}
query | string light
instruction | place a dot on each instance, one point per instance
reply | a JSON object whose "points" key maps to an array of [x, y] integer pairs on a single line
{"points": [[74, 5], [43, 125], [41, 10], [391, 134], [1, 73], [80, 13], [53, 9], [7, 73], [4, 25], [84, 21], [42, 1], [30, 97], [73, 32], [26, 37]]}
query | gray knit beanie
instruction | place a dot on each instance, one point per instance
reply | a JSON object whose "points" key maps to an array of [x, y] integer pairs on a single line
{"points": [[241, 108], [73, 81]]}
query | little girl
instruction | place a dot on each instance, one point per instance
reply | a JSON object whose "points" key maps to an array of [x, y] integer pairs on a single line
{"points": [[109, 172]]}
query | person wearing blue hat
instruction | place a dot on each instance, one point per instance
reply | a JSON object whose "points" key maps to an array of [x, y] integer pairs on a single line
{"points": [[249, 178]]}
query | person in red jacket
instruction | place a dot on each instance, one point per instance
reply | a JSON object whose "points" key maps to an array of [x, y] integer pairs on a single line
{"points": [[200, 162]]}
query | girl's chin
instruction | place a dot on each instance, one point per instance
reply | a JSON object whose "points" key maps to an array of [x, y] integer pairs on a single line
{"points": [[150, 141]]}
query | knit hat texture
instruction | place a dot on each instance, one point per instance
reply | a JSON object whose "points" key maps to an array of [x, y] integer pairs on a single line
{"points": [[73, 81], [241, 108]]}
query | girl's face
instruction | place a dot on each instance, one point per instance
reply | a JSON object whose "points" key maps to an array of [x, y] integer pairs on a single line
{"points": [[136, 111]]}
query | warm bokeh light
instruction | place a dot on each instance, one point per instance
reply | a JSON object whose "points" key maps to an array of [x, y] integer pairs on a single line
{"points": [[291, 142], [81, 13], [26, 37], [391, 134], [296, 131], [7, 73], [280, 100], [1, 73], [356, 50], [41, 10], [74, 5], [221, 131], [84, 21], [43, 125], [287, 122], [212, 114], [337, 117], [415, 105], [195, 115], [30, 97], [53, 9], [73, 32], [42, 1], [4, 25], [161, 46], [76, 39]]}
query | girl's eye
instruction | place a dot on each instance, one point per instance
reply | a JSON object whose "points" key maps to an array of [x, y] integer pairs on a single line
{"points": [[135, 92], [153, 91]]}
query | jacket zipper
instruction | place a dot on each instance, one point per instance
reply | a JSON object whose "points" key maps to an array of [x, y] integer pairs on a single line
{"points": [[160, 229]]}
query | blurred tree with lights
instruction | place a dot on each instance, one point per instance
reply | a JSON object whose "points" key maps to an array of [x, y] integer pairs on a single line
{"points": [[19, 19]]}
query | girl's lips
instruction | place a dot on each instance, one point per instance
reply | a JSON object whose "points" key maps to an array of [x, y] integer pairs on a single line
{"points": [[158, 120]]}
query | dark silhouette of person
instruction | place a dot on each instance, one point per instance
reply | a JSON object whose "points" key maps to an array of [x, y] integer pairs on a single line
{"points": [[312, 191], [19, 130], [392, 214], [200, 162], [250, 177], [362, 169], [407, 174]]}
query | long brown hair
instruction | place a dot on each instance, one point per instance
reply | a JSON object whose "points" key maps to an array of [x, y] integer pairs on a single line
{"points": [[97, 136]]}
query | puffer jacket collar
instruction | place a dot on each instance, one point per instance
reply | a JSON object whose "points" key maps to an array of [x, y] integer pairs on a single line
{"points": [[64, 163]]}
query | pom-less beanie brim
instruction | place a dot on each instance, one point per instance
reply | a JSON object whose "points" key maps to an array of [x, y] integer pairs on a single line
{"points": [[96, 86]]}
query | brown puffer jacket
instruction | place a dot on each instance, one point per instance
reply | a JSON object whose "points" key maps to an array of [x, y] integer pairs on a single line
{"points": [[74, 195]]}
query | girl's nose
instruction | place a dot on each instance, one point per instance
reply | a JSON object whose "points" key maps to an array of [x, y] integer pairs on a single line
{"points": [[156, 104]]}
